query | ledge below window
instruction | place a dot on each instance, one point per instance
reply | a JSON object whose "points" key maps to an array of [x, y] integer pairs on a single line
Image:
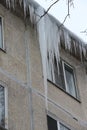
{"points": [[64, 91]]}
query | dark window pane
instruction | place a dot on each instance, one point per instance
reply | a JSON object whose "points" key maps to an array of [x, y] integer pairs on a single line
{"points": [[59, 78], [2, 106], [52, 124]]}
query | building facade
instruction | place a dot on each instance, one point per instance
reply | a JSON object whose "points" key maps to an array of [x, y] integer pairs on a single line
{"points": [[33, 96]]}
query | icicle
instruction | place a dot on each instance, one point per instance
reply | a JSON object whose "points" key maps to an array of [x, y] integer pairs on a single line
{"points": [[53, 40], [84, 51], [8, 3], [20, 2], [13, 4], [67, 40], [32, 14], [24, 4], [49, 46], [43, 49], [75, 46]]}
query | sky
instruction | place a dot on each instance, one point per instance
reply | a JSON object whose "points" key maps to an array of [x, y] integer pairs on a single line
{"points": [[77, 22]]}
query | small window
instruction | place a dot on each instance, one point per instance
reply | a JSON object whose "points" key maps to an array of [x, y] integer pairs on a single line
{"points": [[69, 79], [1, 34], [55, 125], [2, 106], [65, 78]]}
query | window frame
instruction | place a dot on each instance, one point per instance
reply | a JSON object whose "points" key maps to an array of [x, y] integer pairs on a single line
{"points": [[74, 78], [2, 31]]}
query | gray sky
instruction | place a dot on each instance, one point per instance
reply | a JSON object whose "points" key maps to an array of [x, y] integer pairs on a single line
{"points": [[78, 18]]}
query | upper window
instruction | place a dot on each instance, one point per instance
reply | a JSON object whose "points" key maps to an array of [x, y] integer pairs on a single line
{"points": [[55, 125], [1, 34], [65, 78], [69, 78]]}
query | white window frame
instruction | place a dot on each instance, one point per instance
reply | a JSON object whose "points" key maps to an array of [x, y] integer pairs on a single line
{"points": [[2, 22], [58, 126], [66, 89], [6, 103]]}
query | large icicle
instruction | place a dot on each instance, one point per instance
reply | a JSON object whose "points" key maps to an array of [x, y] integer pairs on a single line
{"points": [[43, 49], [49, 40]]}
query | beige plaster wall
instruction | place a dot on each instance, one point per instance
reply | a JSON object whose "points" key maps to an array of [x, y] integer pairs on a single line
{"points": [[14, 73]]}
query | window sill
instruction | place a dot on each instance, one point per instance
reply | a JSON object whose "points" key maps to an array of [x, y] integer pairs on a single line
{"points": [[2, 49], [64, 91], [2, 128]]}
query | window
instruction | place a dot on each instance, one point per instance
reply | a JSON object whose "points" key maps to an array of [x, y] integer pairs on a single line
{"points": [[69, 79], [2, 106], [55, 125], [65, 78], [1, 34]]}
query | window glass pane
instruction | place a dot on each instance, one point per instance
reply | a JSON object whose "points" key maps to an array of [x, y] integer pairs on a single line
{"points": [[2, 106], [52, 124], [62, 127], [70, 81], [1, 39], [59, 78]]}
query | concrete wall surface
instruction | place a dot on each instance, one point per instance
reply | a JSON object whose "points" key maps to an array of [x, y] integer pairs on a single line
{"points": [[22, 74]]}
